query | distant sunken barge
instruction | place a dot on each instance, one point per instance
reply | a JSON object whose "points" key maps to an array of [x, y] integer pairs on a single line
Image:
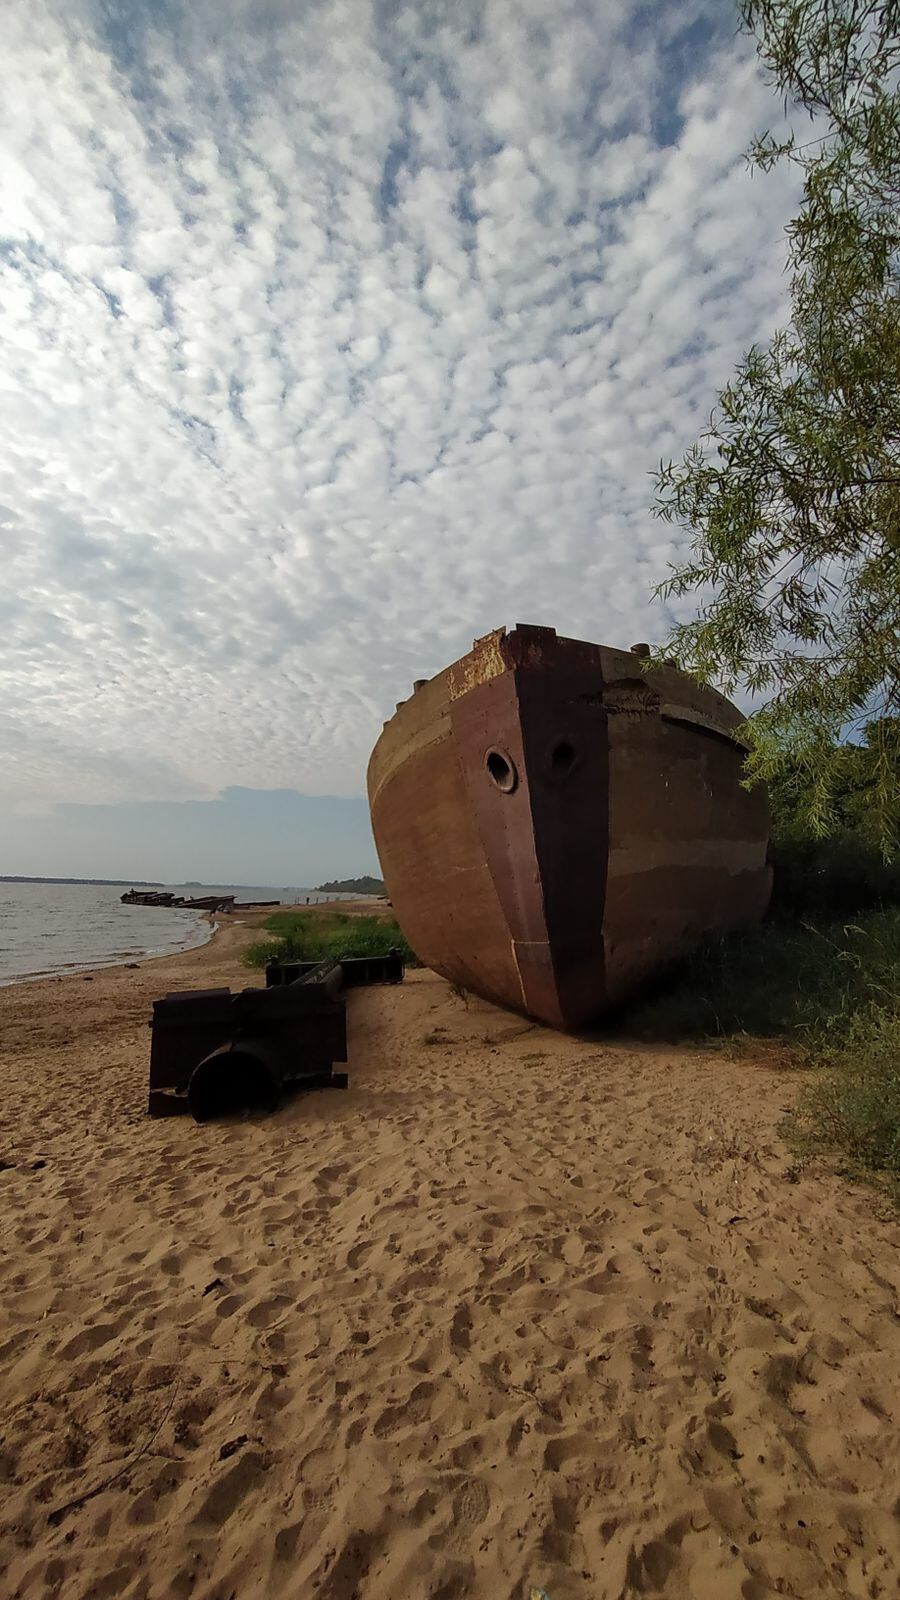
{"points": [[204, 902]]}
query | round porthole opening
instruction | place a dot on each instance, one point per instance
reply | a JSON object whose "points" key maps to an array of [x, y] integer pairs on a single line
{"points": [[501, 770], [562, 758]]}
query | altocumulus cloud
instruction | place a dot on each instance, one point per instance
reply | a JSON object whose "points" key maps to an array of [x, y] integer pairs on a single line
{"points": [[335, 333]]}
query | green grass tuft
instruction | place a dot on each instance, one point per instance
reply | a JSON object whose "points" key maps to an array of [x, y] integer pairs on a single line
{"points": [[305, 936], [850, 1112], [783, 979]]}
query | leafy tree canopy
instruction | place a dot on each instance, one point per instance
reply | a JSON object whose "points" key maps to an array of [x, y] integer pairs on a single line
{"points": [[792, 496]]}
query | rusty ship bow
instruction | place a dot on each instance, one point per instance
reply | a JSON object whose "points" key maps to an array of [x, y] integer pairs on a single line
{"points": [[555, 825]]}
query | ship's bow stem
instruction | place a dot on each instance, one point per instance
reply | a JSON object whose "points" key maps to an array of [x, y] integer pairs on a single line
{"points": [[533, 745]]}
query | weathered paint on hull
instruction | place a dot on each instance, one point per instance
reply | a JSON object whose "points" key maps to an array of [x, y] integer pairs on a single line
{"points": [[554, 825]]}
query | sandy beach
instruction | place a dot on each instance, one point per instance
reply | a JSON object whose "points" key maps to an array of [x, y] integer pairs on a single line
{"points": [[514, 1310]]}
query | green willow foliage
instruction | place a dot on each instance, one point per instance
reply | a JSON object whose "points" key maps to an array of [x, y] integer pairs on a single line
{"points": [[792, 496]]}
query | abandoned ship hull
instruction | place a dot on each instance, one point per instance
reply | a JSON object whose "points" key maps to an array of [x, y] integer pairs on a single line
{"points": [[555, 825]]}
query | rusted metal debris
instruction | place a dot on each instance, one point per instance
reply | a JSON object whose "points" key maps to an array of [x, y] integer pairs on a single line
{"points": [[355, 973], [203, 902], [214, 1052], [148, 897]]}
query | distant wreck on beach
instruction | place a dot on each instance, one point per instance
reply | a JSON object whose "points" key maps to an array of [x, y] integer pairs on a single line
{"points": [[556, 825], [203, 902]]}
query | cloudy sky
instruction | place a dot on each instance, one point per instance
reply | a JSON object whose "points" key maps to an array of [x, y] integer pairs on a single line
{"points": [[334, 333]]}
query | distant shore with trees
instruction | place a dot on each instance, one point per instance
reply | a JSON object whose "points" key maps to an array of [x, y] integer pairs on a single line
{"points": [[364, 885]]}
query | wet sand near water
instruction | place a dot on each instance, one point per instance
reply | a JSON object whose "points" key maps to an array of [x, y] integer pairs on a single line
{"points": [[514, 1310]]}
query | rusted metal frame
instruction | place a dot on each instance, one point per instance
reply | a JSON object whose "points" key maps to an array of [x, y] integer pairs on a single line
{"points": [[295, 1029], [355, 972]]}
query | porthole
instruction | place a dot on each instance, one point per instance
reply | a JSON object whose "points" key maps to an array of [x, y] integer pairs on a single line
{"points": [[501, 770], [562, 758]]}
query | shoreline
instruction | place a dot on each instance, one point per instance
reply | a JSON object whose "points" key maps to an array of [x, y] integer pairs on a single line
{"points": [[113, 1000], [226, 936], [214, 921], [134, 957]]}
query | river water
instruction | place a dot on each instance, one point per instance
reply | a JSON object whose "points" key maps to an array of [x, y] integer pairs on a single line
{"points": [[54, 928]]}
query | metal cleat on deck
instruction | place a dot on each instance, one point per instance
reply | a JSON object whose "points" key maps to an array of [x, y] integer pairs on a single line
{"points": [[213, 1052]]}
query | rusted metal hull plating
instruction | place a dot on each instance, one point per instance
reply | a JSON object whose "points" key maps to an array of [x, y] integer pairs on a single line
{"points": [[555, 825]]}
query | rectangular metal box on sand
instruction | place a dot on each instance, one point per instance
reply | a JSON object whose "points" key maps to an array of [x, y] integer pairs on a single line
{"points": [[212, 1051]]}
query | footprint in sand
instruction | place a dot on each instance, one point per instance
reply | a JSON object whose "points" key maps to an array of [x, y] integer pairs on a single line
{"points": [[90, 1339], [228, 1306], [267, 1311], [232, 1488], [346, 1575], [461, 1328], [566, 1448], [355, 1432], [328, 1175], [471, 1504], [148, 1507], [415, 1411], [286, 1541]]}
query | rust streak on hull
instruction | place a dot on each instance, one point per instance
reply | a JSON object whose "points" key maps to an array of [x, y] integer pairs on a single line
{"points": [[554, 825]]}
